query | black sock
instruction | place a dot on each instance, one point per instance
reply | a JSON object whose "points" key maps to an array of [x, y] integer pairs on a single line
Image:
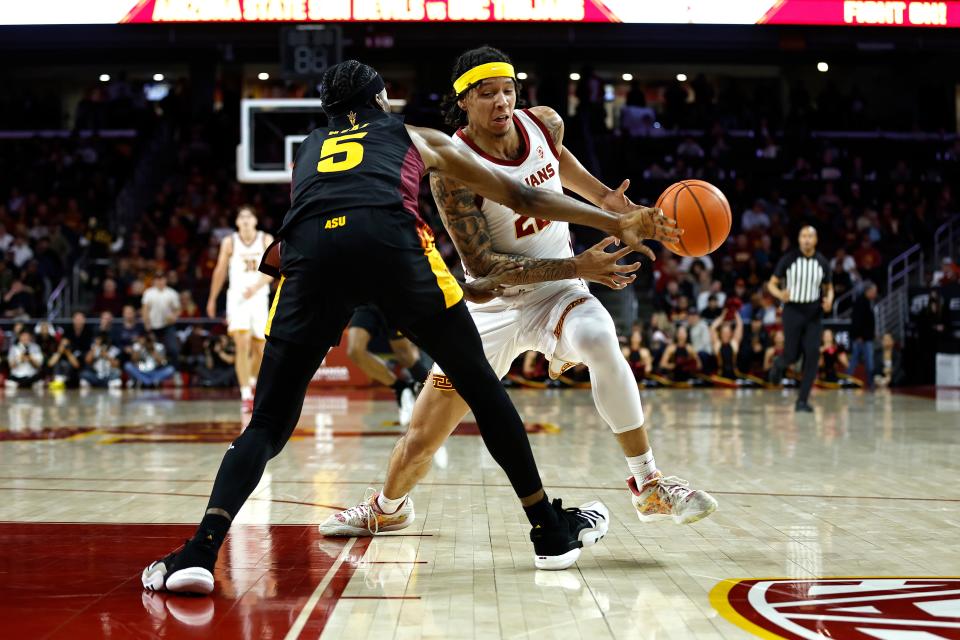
{"points": [[202, 550], [398, 386], [214, 524], [419, 372], [542, 513]]}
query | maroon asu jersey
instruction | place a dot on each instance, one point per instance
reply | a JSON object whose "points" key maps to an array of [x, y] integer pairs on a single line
{"points": [[354, 235]]}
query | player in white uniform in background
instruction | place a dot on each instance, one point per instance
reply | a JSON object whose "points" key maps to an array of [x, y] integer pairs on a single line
{"points": [[248, 297], [550, 309]]}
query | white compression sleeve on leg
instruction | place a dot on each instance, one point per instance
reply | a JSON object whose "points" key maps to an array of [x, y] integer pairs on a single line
{"points": [[590, 335]]}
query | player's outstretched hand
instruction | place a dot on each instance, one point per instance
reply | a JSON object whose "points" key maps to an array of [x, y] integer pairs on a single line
{"points": [[491, 285], [647, 223], [617, 200], [597, 265]]}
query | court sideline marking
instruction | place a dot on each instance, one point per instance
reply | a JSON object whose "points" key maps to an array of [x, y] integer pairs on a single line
{"points": [[424, 484], [308, 608]]}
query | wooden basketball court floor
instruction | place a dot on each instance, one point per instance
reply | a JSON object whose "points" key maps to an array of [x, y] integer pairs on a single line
{"points": [[840, 524]]}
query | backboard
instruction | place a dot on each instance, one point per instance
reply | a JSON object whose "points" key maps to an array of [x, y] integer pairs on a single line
{"points": [[270, 131]]}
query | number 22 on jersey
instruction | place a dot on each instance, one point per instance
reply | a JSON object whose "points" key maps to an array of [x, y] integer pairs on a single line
{"points": [[527, 226], [342, 152]]}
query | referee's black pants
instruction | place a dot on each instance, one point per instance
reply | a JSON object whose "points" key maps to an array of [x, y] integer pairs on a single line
{"points": [[802, 331], [451, 339]]}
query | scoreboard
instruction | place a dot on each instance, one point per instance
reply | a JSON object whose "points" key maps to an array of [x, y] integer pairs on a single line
{"points": [[853, 13]]}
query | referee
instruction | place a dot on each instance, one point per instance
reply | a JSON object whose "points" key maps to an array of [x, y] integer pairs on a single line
{"points": [[805, 274]]}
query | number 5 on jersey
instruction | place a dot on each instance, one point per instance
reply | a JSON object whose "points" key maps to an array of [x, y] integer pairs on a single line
{"points": [[341, 153]]}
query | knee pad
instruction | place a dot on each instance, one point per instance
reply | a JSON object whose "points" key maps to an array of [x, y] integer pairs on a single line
{"points": [[633, 427], [595, 340], [615, 392]]}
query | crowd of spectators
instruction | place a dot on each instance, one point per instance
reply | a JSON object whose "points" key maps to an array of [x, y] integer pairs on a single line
{"points": [[56, 195], [108, 351], [870, 197], [728, 352], [731, 354]]}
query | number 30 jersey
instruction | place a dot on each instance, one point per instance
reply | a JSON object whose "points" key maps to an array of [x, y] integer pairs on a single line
{"points": [[371, 164], [538, 166], [242, 270]]}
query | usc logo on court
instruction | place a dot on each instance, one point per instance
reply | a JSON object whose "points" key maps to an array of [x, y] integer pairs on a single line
{"points": [[848, 608]]}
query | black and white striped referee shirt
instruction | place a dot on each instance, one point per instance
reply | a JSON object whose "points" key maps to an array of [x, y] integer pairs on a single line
{"points": [[803, 277]]}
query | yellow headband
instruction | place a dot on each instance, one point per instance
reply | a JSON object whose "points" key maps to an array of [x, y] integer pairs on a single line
{"points": [[482, 72]]}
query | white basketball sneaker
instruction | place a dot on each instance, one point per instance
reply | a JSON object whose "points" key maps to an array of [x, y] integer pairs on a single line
{"points": [[407, 399], [188, 570], [367, 519], [670, 497]]}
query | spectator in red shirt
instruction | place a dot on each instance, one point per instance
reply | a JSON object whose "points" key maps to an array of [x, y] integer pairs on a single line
{"points": [[188, 308], [867, 257], [176, 235], [160, 259], [109, 299], [666, 271], [207, 263]]}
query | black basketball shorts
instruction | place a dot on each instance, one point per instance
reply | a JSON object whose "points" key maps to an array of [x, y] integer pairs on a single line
{"points": [[331, 265]]}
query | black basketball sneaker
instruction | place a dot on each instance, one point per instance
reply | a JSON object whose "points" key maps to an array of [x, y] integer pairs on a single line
{"points": [[559, 547], [189, 570]]}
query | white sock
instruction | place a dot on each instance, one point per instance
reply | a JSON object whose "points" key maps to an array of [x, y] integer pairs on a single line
{"points": [[642, 466], [387, 505], [253, 381], [246, 393]]}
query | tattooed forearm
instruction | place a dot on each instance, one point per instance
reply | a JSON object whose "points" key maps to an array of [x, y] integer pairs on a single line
{"points": [[464, 221], [539, 269], [470, 234]]}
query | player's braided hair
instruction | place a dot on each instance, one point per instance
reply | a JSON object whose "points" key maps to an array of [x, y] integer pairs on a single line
{"points": [[452, 113], [341, 80]]}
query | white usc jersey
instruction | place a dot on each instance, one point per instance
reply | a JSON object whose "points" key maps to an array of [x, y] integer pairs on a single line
{"points": [[529, 316], [244, 261], [538, 167]]}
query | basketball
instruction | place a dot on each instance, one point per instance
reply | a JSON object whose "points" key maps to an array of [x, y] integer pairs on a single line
{"points": [[702, 211]]}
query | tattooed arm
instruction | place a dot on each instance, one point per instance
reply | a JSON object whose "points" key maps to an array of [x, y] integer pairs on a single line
{"points": [[471, 235], [632, 226], [573, 175]]}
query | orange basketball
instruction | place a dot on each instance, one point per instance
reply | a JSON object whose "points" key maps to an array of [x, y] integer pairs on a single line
{"points": [[702, 211]]}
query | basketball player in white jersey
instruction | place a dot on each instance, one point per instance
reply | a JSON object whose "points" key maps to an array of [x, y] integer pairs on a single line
{"points": [[550, 309], [248, 297]]}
